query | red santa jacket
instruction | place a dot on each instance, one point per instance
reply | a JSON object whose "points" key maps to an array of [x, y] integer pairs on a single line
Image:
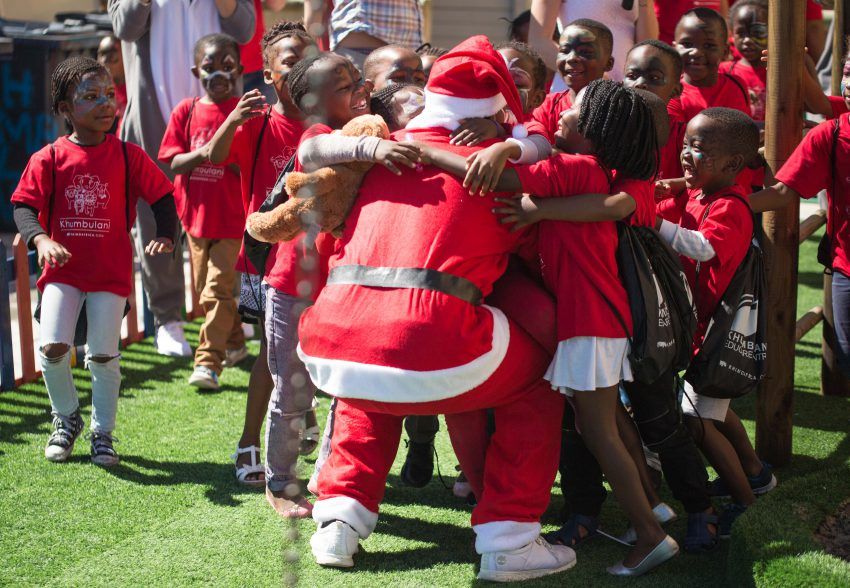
{"points": [[428, 337]]}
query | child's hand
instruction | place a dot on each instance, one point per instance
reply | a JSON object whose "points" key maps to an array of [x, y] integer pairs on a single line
{"points": [[159, 245], [390, 153], [473, 131], [50, 252], [663, 190], [521, 210], [485, 167], [251, 105]]}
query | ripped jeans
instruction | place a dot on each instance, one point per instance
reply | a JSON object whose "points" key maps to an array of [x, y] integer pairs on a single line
{"points": [[60, 308]]}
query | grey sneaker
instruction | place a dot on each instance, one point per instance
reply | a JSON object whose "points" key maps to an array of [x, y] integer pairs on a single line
{"points": [[234, 356], [65, 433], [204, 378], [102, 452]]}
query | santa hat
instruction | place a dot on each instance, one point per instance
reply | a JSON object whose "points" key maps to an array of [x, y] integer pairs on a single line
{"points": [[470, 81]]}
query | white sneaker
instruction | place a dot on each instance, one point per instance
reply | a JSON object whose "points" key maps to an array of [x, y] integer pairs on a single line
{"points": [[204, 378], [538, 558], [234, 356], [248, 330], [171, 340], [335, 544]]}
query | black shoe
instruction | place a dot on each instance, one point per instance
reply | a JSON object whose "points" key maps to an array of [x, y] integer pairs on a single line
{"points": [[102, 452], [418, 468], [65, 433]]}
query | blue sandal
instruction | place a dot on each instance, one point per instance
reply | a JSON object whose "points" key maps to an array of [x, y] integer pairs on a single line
{"points": [[698, 537], [570, 533]]}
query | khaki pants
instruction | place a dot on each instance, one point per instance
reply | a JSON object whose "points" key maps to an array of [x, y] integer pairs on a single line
{"points": [[214, 270]]}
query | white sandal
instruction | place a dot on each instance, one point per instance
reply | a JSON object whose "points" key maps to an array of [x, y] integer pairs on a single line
{"points": [[256, 467]]}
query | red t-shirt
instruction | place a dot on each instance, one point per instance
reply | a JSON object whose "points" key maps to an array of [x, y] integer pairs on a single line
{"points": [[86, 208], [728, 226], [549, 113], [755, 82], [251, 53], [420, 219], [810, 169], [207, 198], [670, 166], [260, 162], [284, 270], [578, 260], [813, 10], [643, 192]]}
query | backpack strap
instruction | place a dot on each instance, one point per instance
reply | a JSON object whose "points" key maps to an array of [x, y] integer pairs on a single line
{"points": [[257, 150], [126, 185], [836, 133], [50, 199], [743, 90]]}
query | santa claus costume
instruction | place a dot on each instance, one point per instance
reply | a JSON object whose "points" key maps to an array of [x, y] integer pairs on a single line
{"points": [[402, 329]]}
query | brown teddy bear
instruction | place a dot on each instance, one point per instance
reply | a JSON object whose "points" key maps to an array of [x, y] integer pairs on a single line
{"points": [[324, 196]]}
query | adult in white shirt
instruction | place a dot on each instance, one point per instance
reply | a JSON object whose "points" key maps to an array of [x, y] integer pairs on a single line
{"points": [[631, 21]]}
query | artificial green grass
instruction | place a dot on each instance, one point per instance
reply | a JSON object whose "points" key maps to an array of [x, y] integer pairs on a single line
{"points": [[172, 513]]}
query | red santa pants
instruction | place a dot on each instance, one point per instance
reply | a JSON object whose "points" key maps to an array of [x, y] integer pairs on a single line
{"points": [[511, 473]]}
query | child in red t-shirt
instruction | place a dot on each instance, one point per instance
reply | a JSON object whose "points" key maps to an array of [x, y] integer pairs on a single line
{"points": [[584, 55], [209, 206], [260, 140], [593, 317], [710, 225], [748, 21], [75, 204]]}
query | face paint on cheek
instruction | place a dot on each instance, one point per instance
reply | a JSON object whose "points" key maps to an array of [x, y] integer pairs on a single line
{"points": [[207, 78], [99, 88]]}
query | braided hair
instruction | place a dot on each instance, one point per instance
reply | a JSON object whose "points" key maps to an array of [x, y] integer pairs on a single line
{"points": [[68, 74], [381, 102], [282, 30], [428, 49], [298, 80], [619, 124]]}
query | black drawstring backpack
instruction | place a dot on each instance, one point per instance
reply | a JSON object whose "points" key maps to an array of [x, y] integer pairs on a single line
{"points": [[731, 360]]}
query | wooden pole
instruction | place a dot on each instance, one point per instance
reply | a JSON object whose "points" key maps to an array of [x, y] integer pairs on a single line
{"points": [[784, 126], [832, 380], [22, 293]]}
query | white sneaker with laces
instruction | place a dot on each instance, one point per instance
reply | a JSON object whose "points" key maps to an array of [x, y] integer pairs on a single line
{"points": [[234, 356], [204, 378], [335, 544], [538, 558], [171, 340]]}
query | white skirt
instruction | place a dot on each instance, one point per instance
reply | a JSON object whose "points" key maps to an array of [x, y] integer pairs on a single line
{"points": [[588, 363], [704, 407]]}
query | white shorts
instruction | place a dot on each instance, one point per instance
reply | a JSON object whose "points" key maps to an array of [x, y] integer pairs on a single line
{"points": [[588, 363], [697, 405]]}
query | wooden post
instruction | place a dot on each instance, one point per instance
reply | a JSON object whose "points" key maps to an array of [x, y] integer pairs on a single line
{"points": [[832, 381], [22, 293], [784, 125]]}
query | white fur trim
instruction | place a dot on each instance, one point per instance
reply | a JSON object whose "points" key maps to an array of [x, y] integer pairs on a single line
{"points": [[519, 132], [502, 535], [447, 111], [350, 379], [347, 510]]}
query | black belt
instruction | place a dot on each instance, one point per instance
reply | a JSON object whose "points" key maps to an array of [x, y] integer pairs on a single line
{"points": [[407, 277]]}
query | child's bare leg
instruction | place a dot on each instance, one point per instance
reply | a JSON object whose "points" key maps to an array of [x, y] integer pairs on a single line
{"points": [[597, 414], [259, 389], [631, 439], [721, 455], [733, 429]]}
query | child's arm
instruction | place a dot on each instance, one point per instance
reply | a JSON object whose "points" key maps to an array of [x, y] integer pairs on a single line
{"points": [[49, 251], [506, 181], [773, 198], [669, 188], [584, 208], [183, 163], [251, 105], [165, 215], [485, 166], [324, 150], [685, 242]]}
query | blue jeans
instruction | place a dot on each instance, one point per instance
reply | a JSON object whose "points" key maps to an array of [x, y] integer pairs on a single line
{"points": [[841, 318], [293, 391]]}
